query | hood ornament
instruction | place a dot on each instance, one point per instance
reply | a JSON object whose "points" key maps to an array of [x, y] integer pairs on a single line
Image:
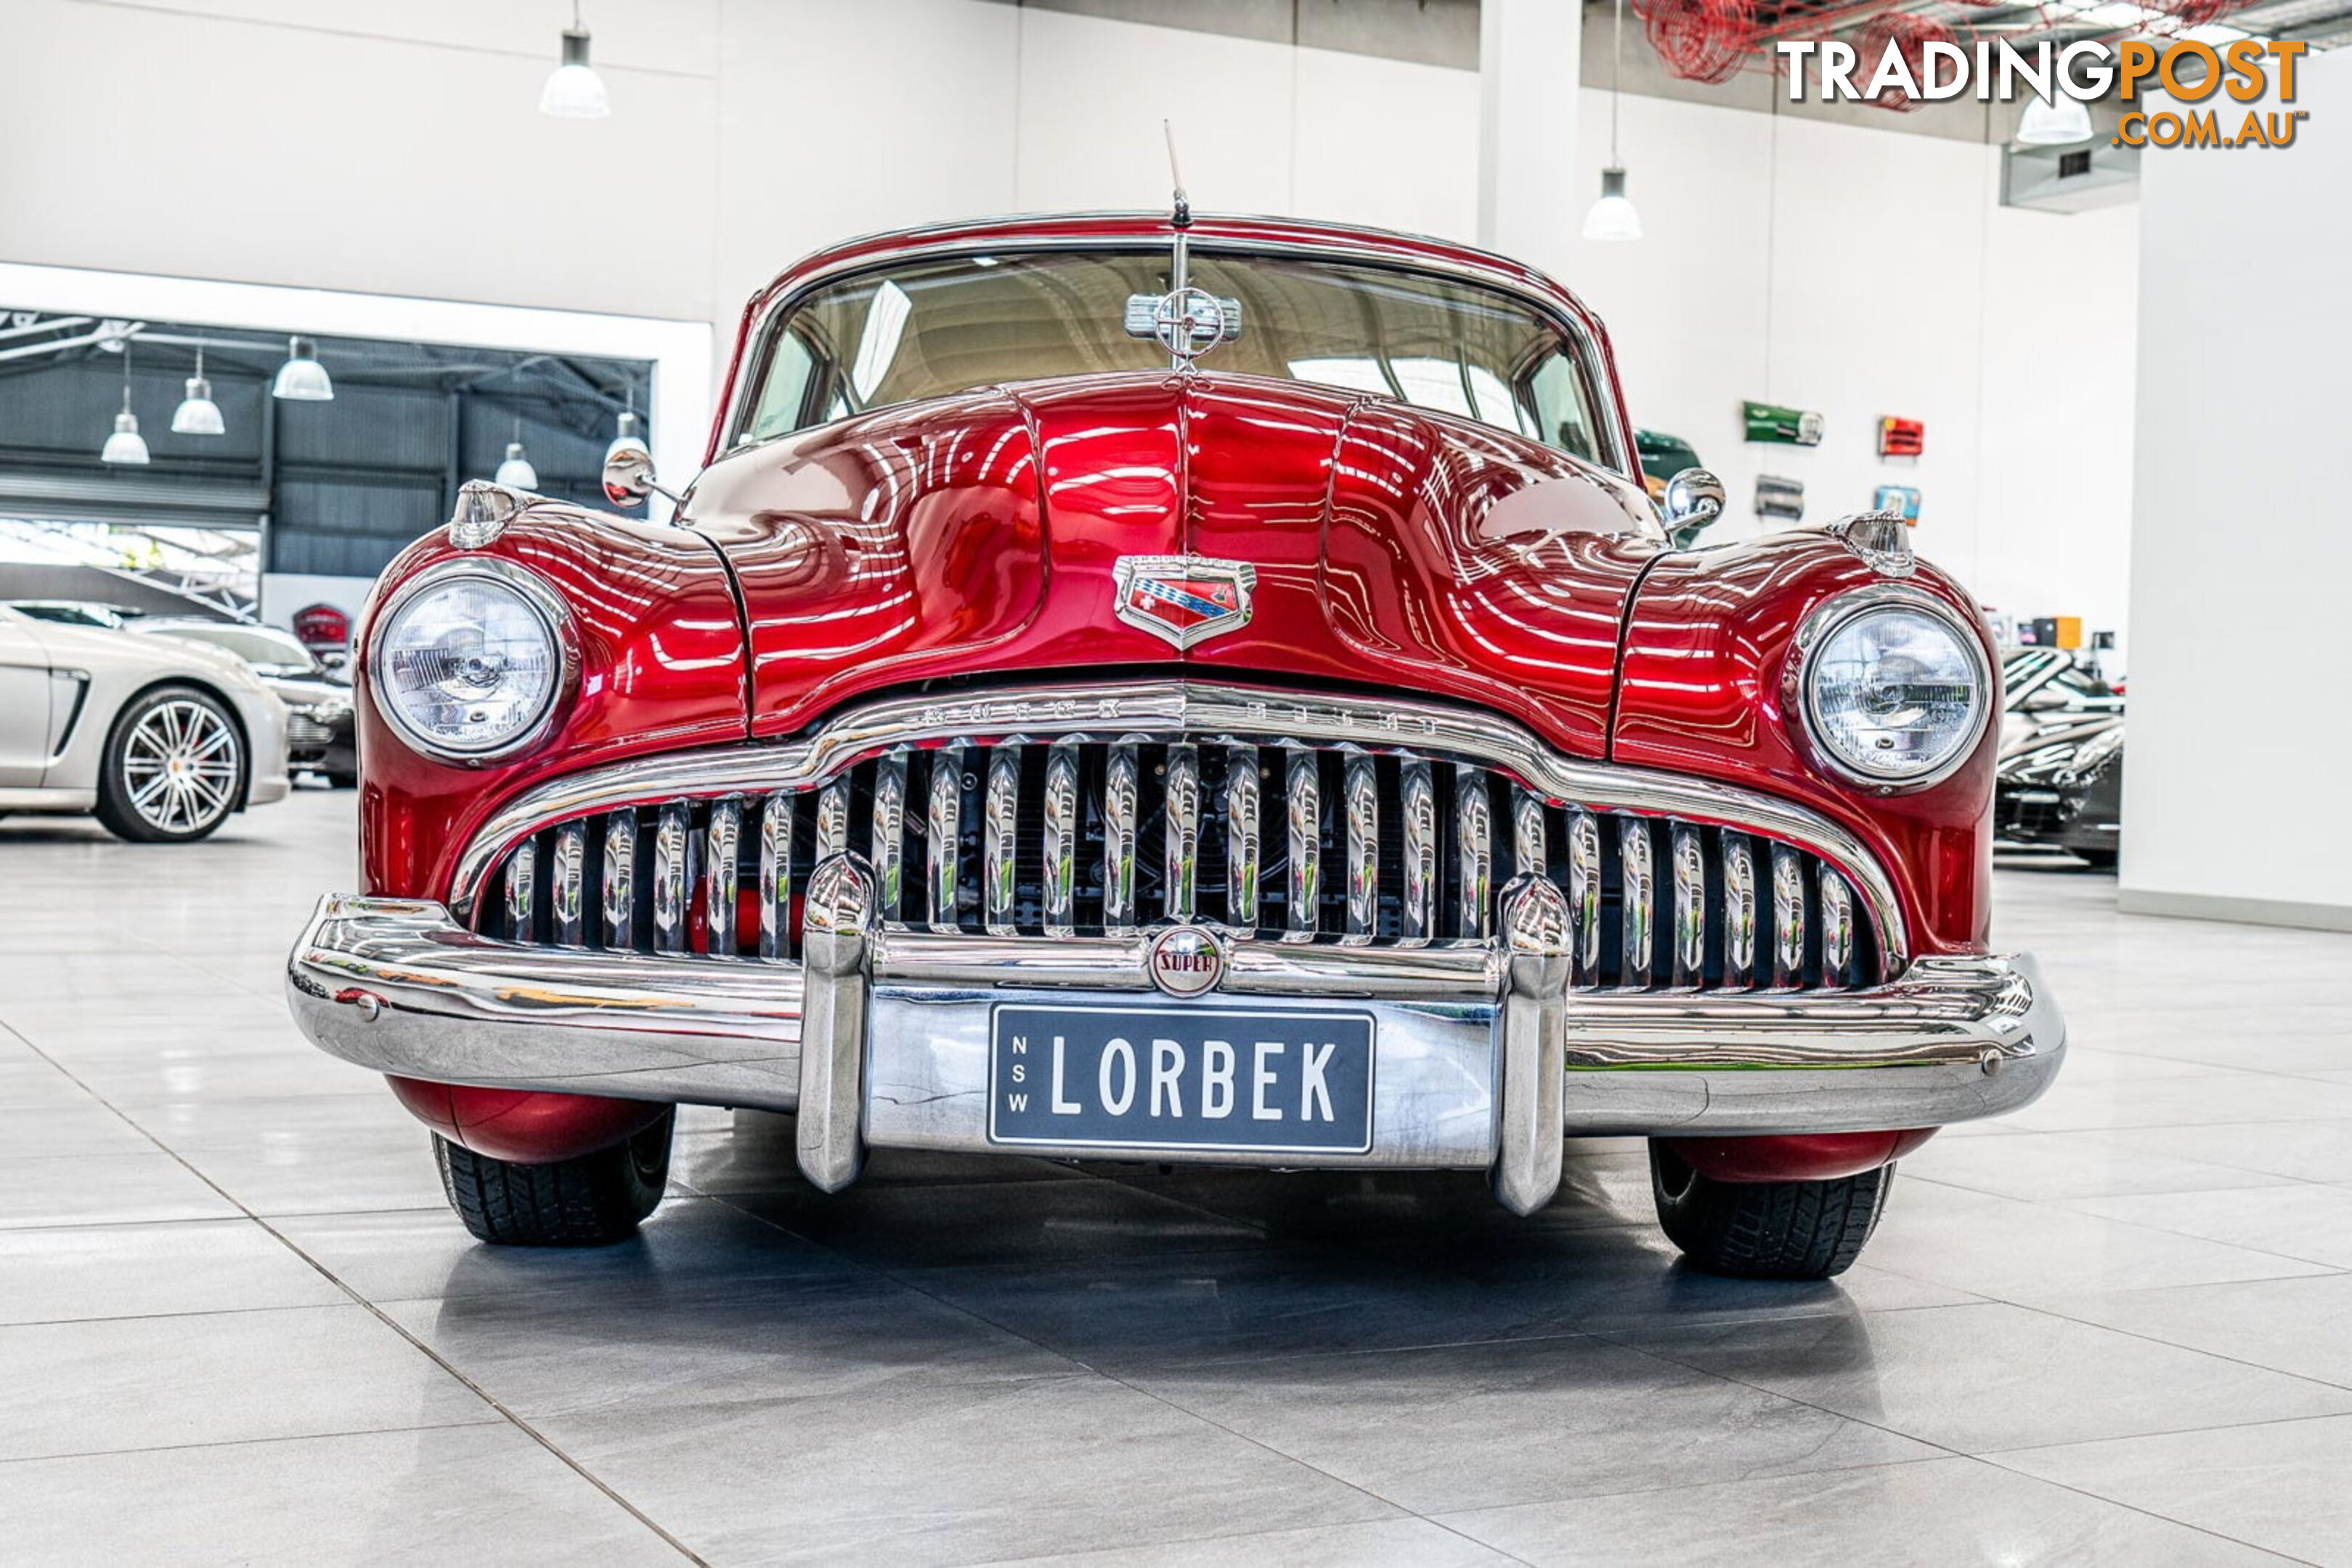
{"points": [[1184, 600], [1186, 321]]}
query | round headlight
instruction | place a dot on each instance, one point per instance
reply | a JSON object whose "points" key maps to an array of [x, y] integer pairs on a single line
{"points": [[1895, 692], [469, 665]]}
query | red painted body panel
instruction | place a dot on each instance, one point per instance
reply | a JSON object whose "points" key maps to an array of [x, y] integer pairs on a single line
{"points": [[523, 1125], [1812, 1157]]}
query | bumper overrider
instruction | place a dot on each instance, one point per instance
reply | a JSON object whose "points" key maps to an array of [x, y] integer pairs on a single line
{"points": [[1487, 1056]]}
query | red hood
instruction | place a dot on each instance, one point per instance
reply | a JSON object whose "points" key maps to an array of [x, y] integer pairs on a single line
{"points": [[978, 535]]}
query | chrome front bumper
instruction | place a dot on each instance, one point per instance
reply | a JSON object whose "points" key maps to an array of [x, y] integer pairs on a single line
{"points": [[880, 1037]]}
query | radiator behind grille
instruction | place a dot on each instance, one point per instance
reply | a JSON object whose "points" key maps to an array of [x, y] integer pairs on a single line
{"points": [[1072, 838]]}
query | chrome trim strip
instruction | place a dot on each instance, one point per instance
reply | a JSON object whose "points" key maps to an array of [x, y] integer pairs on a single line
{"points": [[1303, 809], [1359, 791], [1530, 848], [720, 878], [1062, 806], [1837, 930], [833, 819], [776, 876], [1637, 874], [673, 877], [1174, 708], [1788, 917], [523, 888], [1530, 1042], [1584, 894], [943, 836], [1473, 823], [1243, 806], [1690, 908], [890, 848], [1181, 810], [1418, 800], [836, 986], [620, 880], [1739, 910], [566, 881], [1120, 830], [1000, 819]]}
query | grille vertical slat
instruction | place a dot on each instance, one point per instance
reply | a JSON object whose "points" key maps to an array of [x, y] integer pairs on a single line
{"points": [[1000, 819], [1061, 839], [1417, 795], [1638, 901], [1475, 824], [1004, 837], [1183, 811], [1690, 907], [1788, 918], [1303, 817], [1243, 806], [567, 877], [619, 886], [1361, 794], [1121, 824], [673, 879], [1739, 910]]}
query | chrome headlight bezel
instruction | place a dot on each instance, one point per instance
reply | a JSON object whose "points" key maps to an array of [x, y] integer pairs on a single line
{"points": [[543, 603], [1831, 616]]}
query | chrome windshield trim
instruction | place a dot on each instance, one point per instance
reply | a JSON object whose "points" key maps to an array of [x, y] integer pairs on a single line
{"points": [[1148, 710]]}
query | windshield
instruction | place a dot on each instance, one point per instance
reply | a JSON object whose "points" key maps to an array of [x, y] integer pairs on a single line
{"points": [[937, 326]]}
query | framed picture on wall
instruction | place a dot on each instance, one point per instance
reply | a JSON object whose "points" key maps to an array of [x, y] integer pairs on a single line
{"points": [[1779, 497], [1899, 498]]}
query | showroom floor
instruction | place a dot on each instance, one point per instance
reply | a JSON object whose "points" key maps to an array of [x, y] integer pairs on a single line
{"points": [[241, 1324]]}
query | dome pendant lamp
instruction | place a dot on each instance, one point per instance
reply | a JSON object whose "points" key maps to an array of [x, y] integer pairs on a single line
{"points": [[198, 414], [573, 90], [126, 447], [302, 379], [2058, 121], [1613, 216], [516, 473]]}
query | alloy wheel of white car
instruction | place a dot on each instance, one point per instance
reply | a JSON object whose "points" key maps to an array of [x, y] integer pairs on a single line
{"points": [[178, 764]]}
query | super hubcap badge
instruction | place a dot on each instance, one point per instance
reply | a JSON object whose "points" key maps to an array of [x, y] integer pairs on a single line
{"points": [[1185, 960]]}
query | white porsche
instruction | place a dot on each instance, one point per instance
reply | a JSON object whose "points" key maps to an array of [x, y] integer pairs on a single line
{"points": [[162, 739]]}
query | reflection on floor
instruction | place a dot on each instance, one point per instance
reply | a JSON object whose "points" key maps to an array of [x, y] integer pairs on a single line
{"points": [[240, 1323]]}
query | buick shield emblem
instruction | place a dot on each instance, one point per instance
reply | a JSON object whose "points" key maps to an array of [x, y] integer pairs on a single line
{"points": [[1184, 600]]}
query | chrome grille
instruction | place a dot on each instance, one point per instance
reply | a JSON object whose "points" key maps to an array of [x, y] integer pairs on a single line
{"points": [[1079, 837]]}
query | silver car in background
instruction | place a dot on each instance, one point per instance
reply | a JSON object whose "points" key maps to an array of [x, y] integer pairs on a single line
{"points": [[161, 739]]}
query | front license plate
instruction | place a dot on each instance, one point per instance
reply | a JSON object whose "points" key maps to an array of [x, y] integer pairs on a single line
{"points": [[1182, 1078]]}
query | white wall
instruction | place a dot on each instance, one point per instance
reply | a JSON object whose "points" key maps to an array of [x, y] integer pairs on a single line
{"points": [[349, 144], [2240, 552]]}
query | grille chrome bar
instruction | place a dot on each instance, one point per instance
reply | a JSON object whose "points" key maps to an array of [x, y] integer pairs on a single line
{"points": [[889, 856], [567, 875], [1690, 908], [833, 820], [1740, 912], [718, 882], [943, 836], [1183, 818], [1530, 851], [1303, 806], [673, 844], [1639, 904], [1788, 918], [1119, 830], [1000, 818], [1361, 792], [1242, 809], [1584, 894], [1417, 794], [522, 885], [776, 876], [620, 881], [1061, 838], [1837, 929], [1474, 822]]}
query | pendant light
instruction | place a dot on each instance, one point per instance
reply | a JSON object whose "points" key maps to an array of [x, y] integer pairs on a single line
{"points": [[2058, 121], [126, 445], [302, 379], [1613, 216], [627, 438], [516, 473], [198, 414], [573, 90]]}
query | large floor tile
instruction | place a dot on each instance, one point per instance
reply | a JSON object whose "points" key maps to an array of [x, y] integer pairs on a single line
{"points": [[225, 1377], [2041, 1167], [1947, 1511], [1383, 1544], [1975, 1378], [105, 1189], [54, 1274], [448, 1494], [2302, 1325], [2300, 1220]]}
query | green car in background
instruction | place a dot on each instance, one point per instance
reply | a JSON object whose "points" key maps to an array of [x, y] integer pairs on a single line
{"points": [[1663, 457]]}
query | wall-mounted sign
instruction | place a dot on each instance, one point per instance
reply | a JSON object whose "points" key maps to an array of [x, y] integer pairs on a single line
{"points": [[1899, 498], [1768, 421], [322, 626], [1901, 437], [1779, 497]]}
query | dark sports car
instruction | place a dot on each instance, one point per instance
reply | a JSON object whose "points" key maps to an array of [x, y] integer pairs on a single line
{"points": [[2061, 780]]}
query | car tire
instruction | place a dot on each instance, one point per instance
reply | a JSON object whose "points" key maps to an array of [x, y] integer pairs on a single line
{"points": [[590, 1200], [140, 796], [1767, 1230]]}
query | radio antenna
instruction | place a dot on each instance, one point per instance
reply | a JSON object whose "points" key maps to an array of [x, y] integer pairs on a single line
{"points": [[1182, 217]]}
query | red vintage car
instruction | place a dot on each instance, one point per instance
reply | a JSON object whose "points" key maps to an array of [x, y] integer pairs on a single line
{"points": [[1139, 688]]}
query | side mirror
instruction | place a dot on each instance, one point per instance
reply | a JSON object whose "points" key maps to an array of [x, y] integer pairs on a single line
{"points": [[1693, 499], [628, 474]]}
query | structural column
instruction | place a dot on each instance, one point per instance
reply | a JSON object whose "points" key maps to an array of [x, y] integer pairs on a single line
{"points": [[1529, 57]]}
